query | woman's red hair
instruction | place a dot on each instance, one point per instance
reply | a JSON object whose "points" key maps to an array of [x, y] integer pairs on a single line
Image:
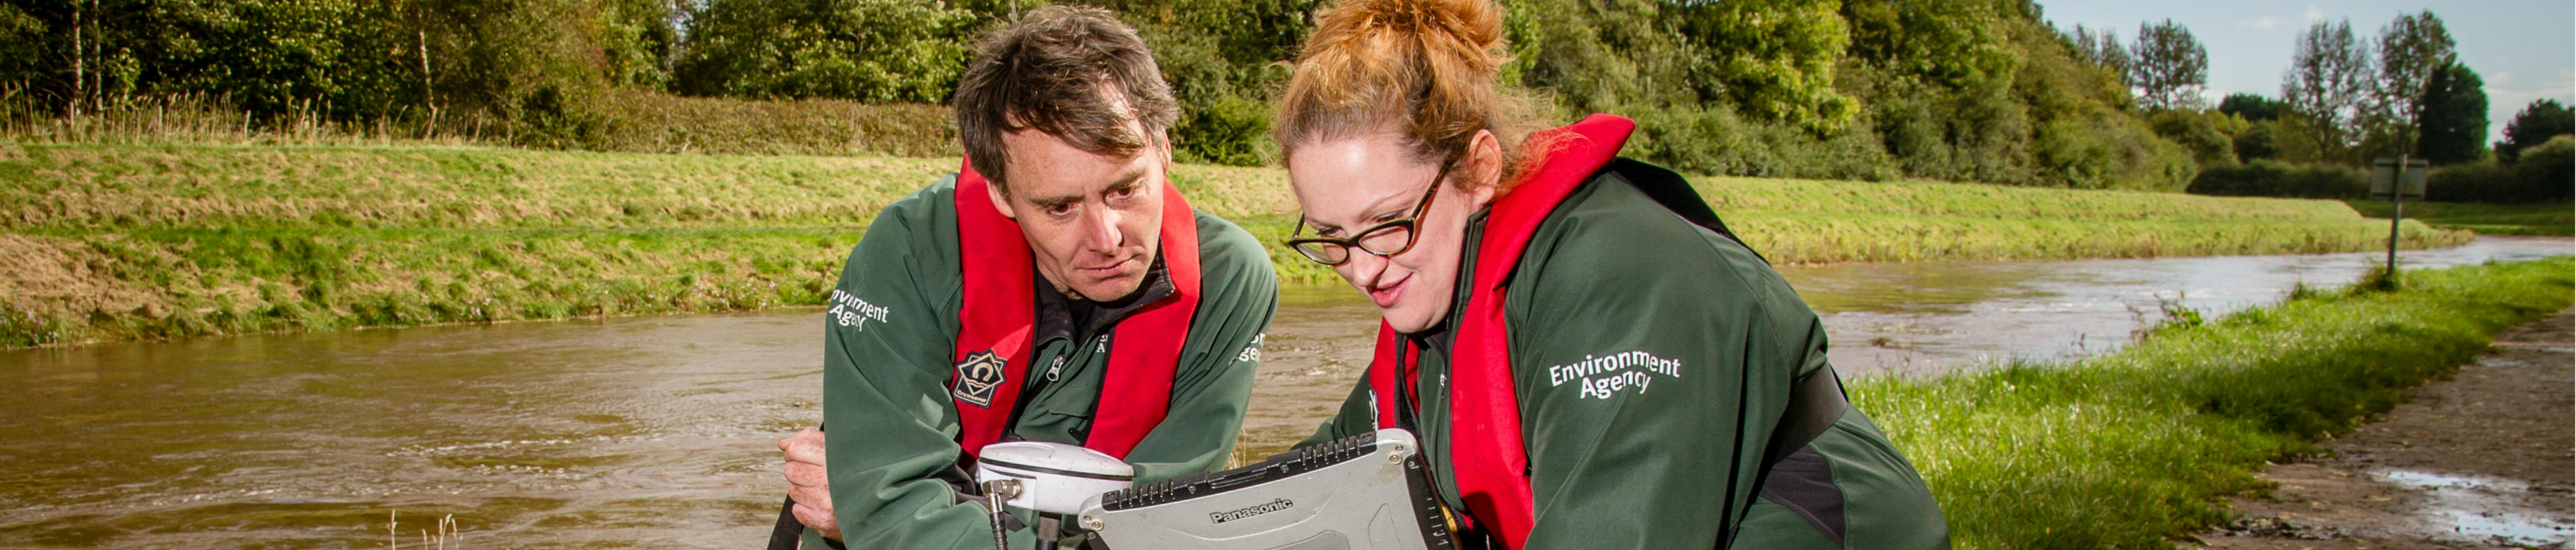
{"points": [[1425, 69]]}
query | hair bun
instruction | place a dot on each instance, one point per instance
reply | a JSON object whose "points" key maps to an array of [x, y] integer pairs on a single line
{"points": [[1471, 30], [1428, 69], [1472, 22]]}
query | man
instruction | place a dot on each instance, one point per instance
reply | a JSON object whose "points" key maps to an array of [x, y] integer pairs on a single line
{"points": [[1057, 289]]}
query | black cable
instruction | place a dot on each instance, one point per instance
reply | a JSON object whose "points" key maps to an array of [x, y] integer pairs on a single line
{"points": [[787, 533]]}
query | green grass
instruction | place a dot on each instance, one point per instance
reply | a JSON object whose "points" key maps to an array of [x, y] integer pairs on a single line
{"points": [[2135, 448], [2493, 219], [167, 283], [1806, 221], [132, 239]]}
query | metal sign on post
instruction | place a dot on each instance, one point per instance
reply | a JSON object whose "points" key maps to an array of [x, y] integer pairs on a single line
{"points": [[2384, 177], [2396, 179]]}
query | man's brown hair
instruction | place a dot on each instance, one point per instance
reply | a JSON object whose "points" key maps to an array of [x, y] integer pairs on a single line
{"points": [[1076, 73]]}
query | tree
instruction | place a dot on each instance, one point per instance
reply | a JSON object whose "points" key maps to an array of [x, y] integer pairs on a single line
{"points": [[2453, 119], [2203, 133], [2412, 50], [2533, 126], [868, 50], [2254, 107], [1602, 56], [338, 60], [1773, 59], [1218, 56], [2330, 81], [2257, 142], [1955, 44], [2103, 48], [2171, 67]]}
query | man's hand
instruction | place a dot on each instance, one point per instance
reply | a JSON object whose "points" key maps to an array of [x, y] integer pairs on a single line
{"points": [[808, 483]]}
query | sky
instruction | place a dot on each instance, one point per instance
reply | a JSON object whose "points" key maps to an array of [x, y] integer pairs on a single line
{"points": [[2524, 49]]}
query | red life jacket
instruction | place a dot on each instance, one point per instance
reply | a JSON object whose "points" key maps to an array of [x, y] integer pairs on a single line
{"points": [[1485, 447], [999, 313]]}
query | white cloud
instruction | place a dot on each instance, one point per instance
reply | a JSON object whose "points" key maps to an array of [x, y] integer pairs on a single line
{"points": [[2265, 23], [2315, 13], [2500, 78], [2503, 103]]}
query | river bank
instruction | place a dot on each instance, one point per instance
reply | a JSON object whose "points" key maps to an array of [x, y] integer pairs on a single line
{"points": [[127, 241], [2139, 447], [2556, 219], [2481, 459]]}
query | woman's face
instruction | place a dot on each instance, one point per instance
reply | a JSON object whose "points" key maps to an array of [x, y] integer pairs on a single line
{"points": [[1350, 185]]}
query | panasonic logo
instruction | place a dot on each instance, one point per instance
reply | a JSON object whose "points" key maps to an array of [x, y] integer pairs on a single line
{"points": [[1254, 510]]}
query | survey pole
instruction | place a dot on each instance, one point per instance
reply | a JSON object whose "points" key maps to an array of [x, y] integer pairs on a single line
{"points": [[2398, 194]]}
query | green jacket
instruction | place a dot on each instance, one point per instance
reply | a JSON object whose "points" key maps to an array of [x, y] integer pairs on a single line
{"points": [[889, 344], [1643, 458]]}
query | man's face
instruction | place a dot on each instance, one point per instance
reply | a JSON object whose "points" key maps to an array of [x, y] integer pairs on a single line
{"points": [[1092, 221]]}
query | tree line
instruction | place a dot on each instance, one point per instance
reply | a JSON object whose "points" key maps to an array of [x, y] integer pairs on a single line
{"points": [[345, 60], [1971, 90], [2345, 100]]}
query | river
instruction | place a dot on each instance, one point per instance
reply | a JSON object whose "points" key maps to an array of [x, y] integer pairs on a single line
{"points": [[656, 432]]}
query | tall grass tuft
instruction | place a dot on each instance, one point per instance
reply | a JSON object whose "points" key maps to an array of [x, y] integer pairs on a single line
{"points": [[210, 119], [435, 538], [608, 121]]}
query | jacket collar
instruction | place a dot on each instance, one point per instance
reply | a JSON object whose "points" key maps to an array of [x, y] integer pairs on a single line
{"points": [[1064, 316]]}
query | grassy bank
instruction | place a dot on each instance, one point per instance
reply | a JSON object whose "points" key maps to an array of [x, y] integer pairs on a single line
{"points": [[130, 240], [164, 283], [2132, 449], [2493, 219]]}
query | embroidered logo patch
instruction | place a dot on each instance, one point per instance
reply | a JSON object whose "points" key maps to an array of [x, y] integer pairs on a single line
{"points": [[978, 375], [1600, 377]]}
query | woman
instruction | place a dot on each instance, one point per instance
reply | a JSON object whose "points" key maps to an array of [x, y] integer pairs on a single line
{"points": [[1590, 359]]}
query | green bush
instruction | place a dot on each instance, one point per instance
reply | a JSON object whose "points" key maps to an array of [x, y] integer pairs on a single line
{"points": [[2205, 134], [1217, 57], [2111, 151], [2267, 178], [1231, 129], [2549, 169], [2259, 141], [871, 50], [1718, 142], [1977, 132], [2544, 173]]}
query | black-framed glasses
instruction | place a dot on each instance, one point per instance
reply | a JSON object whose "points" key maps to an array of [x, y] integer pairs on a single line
{"points": [[1385, 239]]}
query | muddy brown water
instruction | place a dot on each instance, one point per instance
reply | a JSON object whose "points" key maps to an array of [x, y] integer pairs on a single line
{"points": [[656, 432]]}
